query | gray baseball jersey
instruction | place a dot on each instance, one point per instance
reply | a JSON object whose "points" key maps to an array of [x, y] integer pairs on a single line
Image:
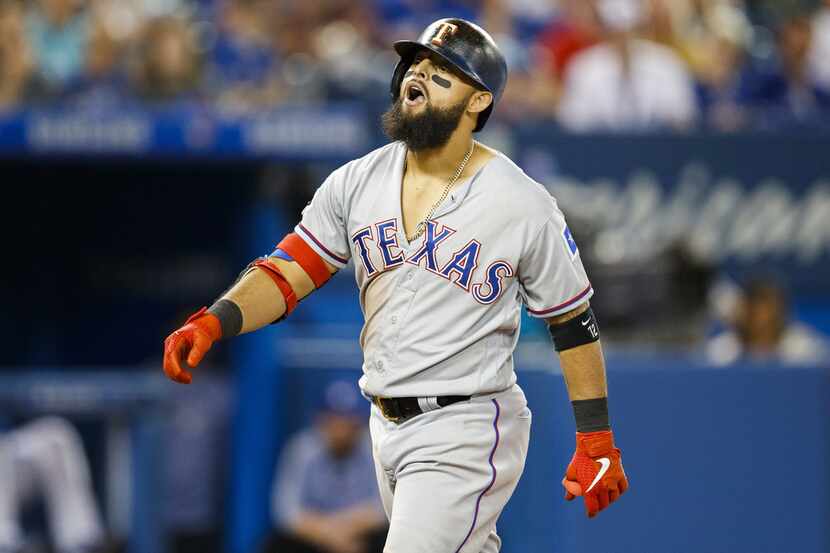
{"points": [[442, 314]]}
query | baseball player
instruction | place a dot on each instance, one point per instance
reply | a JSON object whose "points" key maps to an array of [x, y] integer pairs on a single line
{"points": [[449, 240]]}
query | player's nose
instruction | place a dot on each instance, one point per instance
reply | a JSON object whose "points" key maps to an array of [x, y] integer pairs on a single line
{"points": [[421, 67]]}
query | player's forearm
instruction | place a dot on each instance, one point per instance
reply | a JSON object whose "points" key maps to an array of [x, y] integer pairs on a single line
{"points": [[260, 300], [584, 370], [576, 339], [265, 293]]}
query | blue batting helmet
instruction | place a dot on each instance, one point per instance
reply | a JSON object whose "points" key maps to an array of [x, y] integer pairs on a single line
{"points": [[467, 47]]}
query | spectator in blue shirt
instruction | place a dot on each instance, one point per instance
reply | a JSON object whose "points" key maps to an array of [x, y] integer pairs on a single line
{"points": [[243, 60], [717, 46], [782, 94], [104, 83], [58, 31], [325, 498]]}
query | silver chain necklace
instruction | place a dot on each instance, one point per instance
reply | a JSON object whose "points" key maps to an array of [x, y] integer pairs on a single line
{"points": [[419, 230]]}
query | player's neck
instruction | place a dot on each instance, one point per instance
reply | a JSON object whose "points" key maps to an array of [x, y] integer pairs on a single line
{"points": [[440, 162]]}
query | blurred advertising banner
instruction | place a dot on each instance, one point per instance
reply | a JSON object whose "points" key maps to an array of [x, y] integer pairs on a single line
{"points": [[293, 133], [749, 204]]}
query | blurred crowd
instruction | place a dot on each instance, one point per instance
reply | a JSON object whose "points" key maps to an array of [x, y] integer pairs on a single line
{"points": [[724, 65]]}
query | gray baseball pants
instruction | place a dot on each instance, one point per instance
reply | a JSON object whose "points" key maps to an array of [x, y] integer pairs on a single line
{"points": [[445, 475]]}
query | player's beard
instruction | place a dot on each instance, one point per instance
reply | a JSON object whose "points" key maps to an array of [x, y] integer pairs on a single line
{"points": [[424, 131]]}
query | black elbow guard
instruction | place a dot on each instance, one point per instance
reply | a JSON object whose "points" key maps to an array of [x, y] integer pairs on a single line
{"points": [[575, 332]]}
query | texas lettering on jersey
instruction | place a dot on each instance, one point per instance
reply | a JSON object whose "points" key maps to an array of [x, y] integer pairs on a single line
{"points": [[378, 251]]}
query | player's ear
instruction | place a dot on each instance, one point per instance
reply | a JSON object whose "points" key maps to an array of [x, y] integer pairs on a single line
{"points": [[479, 101]]}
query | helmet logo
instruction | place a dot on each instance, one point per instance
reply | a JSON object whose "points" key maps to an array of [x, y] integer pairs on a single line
{"points": [[443, 31]]}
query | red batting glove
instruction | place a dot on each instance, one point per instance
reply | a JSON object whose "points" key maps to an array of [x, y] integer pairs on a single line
{"points": [[191, 342], [597, 469]]}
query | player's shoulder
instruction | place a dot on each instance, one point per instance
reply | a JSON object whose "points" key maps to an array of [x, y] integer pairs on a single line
{"points": [[509, 185]]}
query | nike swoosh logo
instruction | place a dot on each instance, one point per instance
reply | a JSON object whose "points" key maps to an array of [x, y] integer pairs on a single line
{"points": [[606, 464], [586, 321]]}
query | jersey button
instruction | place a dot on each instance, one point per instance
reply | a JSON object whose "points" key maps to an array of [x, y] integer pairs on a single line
{"points": [[394, 319], [409, 276], [380, 367]]}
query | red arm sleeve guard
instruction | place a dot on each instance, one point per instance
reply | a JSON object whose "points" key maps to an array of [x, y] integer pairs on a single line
{"points": [[312, 264]]}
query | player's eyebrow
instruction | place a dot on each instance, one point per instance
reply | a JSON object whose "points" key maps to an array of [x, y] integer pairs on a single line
{"points": [[434, 58]]}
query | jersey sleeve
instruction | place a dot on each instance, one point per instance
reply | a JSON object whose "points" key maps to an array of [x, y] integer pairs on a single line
{"points": [[323, 223], [551, 275]]}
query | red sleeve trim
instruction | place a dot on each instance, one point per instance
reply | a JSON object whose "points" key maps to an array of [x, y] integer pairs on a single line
{"points": [[561, 306], [322, 247]]}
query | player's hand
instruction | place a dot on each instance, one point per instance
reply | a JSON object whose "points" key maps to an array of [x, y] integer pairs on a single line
{"points": [[191, 342], [596, 472]]}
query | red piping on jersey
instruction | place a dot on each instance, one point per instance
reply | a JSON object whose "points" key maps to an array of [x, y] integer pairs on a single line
{"points": [[322, 247], [576, 298]]}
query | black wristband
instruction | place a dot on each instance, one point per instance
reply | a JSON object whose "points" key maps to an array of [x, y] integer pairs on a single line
{"points": [[591, 414], [229, 315], [574, 332]]}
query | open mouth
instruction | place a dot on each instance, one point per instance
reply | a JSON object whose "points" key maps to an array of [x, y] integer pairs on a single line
{"points": [[414, 95]]}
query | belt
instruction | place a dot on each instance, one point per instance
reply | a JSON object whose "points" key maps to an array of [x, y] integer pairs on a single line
{"points": [[400, 409]]}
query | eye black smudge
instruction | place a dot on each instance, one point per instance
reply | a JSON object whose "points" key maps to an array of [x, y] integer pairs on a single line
{"points": [[440, 81]]}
